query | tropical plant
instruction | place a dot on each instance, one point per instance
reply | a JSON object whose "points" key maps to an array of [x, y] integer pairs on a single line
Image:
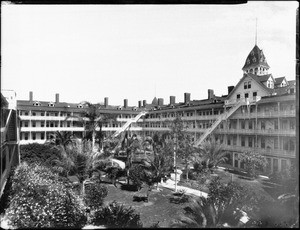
{"points": [[253, 162], [223, 207], [116, 215], [62, 138], [212, 153], [93, 121], [39, 199]]}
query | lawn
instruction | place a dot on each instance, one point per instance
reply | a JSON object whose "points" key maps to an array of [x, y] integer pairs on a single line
{"points": [[160, 207]]}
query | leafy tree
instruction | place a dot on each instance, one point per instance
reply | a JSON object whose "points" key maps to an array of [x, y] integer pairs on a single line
{"points": [[253, 162], [116, 215], [94, 195]]}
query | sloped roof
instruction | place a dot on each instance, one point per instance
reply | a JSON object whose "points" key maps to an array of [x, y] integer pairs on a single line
{"points": [[4, 102], [264, 78], [279, 80], [255, 57], [292, 82]]}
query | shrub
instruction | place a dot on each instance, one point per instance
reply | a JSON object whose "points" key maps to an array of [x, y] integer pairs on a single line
{"points": [[136, 175], [94, 195], [116, 216], [40, 199], [41, 153]]}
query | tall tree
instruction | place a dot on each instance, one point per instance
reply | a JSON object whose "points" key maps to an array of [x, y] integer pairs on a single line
{"points": [[93, 120]]}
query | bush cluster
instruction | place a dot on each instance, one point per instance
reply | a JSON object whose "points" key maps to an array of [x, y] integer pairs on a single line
{"points": [[40, 199], [38, 153], [94, 195], [116, 215]]}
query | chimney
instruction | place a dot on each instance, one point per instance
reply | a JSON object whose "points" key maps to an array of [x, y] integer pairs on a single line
{"points": [[230, 88], [57, 98], [160, 101], [125, 103], [31, 96], [106, 102], [140, 104], [210, 94], [172, 100], [144, 103], [187, 98]]}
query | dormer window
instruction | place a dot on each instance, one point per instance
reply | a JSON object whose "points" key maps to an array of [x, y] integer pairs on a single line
{"points": [[134, 108], [80, 106], [249, 84], [119, 108], [36, 103], [51, 104]]}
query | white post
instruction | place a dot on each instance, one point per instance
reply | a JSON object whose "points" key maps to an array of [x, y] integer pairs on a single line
{"points": [[175, 168]]}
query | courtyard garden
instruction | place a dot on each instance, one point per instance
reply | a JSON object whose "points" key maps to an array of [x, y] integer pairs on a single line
{"points": [[71, 183]]}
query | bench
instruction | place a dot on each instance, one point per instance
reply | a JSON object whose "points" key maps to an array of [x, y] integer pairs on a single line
{"points": [[142, 194]]}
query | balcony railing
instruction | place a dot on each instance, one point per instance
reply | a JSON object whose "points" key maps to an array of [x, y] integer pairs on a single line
{"points": [[271, 152], [290, 132], [269, 114]]}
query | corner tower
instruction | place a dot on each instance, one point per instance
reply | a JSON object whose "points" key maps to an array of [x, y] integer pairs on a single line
{"points": [[256, 62]]}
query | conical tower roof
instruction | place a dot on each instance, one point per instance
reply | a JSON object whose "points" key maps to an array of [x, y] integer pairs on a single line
{"points": [[154, 101], [256, 58]]}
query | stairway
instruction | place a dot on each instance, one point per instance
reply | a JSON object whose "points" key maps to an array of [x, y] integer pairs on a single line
{"points": [[222, 117], [126, 125]]}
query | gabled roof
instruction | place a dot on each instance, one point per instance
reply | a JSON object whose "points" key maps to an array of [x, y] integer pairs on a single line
{"points": [[279, 80], [255, 78], [4, 102], [292, 82], [256, 57], [264, 78]]}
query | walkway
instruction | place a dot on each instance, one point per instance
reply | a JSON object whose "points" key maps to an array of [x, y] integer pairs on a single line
{"points": [[171, 185]]}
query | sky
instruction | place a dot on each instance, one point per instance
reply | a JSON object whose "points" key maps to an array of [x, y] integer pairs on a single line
{"points": [[137, 52]]}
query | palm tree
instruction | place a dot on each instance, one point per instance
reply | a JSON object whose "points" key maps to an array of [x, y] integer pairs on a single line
{"points": [[212, 153], [62, 138], [93, 120]]}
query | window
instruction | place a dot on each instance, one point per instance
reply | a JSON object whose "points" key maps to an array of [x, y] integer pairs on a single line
{"points": [[33, 124], [26, 124], [228, 141], [292, 125], [26, 113], [254, 95], [33, 114], [246, 95], [283, 165], [242, 124], [262, 143], [249, 84], [42, 136], [250, 142], [56, 114], [26, 136], [238, 96], [276, 124], [275, 165], [243, 141], [269, 164], [275, 143], [263, 125], [250, 124], [292, 90], [33, 136], [245, 85]]}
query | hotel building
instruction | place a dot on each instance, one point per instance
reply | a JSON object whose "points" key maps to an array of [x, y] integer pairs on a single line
{"points": [[257, 114]]}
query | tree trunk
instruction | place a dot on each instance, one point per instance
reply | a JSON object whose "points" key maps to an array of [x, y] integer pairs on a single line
{"points": [[93, 139]]}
